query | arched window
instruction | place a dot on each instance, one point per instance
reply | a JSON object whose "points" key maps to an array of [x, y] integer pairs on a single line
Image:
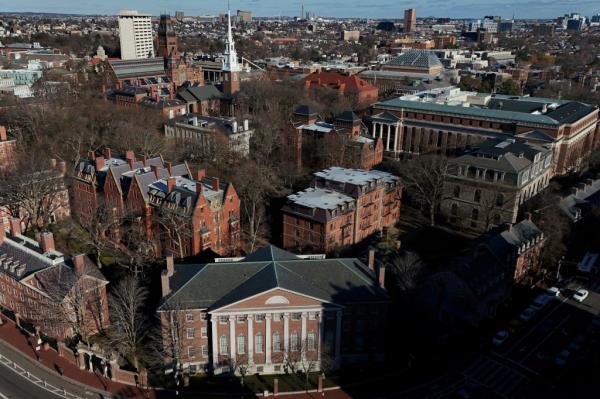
{"points": [[276, 342], [223, 345], [454, 210], [477, 196], [258, 340], [241, 344], [499, 200], [294, 341], [310, 341], [475, 214], [456, 191]]}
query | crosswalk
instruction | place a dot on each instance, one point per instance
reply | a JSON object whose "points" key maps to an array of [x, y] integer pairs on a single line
{"points": [[504, 380]]}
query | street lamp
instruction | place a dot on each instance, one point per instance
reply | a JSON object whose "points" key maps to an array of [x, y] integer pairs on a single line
{"points": [[560, 262]]}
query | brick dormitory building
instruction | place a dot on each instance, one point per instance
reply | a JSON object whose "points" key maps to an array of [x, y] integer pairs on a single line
{"points": [[448, 120], [342, 207], [181, 213], [42, 287], [270, 309]]}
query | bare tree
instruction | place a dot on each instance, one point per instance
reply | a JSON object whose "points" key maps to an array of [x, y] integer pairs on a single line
{"points": [[240, 365], [171, 335], [407, 270], [175, 227], [99, 228], [303, 358], [424, 180], [130, 325]]}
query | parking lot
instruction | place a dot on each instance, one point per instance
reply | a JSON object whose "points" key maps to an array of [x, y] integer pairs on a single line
{"points": [[541, 345]]}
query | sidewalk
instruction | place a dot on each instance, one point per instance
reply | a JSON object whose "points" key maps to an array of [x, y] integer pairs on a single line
{"points": [[16, 346]]}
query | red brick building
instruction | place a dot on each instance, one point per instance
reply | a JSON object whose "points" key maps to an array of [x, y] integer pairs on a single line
{"points": [[342, 207], [42, 287], [8, 149], [341, 142], [271, 309], [361, 93], [181, 214]]}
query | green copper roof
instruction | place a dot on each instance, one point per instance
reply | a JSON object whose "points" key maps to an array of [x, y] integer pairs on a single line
{"points": [[469, 111]]}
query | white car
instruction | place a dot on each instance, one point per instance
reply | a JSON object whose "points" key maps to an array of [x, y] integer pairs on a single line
{"points": [[500, 337], [580, 295], [553, 291], [528, 313]]}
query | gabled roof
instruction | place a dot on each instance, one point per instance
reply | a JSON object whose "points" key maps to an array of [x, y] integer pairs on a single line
{"points": [[348, 116], [385, 116], [304, 110], [215, 285]]}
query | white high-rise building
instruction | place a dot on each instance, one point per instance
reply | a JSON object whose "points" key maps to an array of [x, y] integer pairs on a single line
{"points": [[135, 32]]}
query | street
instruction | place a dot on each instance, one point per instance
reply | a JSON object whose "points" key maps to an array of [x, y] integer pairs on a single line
{"points": [[13, 386]]}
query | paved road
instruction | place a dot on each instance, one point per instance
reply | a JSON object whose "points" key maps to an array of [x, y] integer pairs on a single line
{"points": [[13, 386]]}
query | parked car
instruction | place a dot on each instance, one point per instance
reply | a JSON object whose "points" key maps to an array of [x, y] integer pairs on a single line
{"points": [[553, 291], [580, 295], [562, 357], [540, 301], [528, 313], [500, 337], [596, 321], [577, 343]]}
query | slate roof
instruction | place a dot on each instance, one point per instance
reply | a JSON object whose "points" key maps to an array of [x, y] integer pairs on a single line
{"points": [[138, 68], [348, 116], [304, 110], [416, 59], [214, 285], [199, 93], [581, 201]]}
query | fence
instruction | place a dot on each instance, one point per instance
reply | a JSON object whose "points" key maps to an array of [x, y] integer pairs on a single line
{"points": [[37, 381]]}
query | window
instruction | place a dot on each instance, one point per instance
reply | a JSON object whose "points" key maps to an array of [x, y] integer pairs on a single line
{"points": [[191, 352], [241, 319], [190, 333], [276, 342], [223, 345], [203, 332], [310, 341], [223, 319], [241, 344], [294, 341], [277, 368], [296, 316], [454, 210], [204, 350], [456, 191], [477, 196], [189, 317], [277, 317], [500, 200], [259, 318], [475, 214], [259, 369], [258, 343], [312, 316]]}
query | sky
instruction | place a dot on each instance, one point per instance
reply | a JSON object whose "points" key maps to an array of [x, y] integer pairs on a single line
{"points": [[337, 8]]}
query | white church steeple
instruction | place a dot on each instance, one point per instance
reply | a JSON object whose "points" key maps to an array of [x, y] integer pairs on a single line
{"points": [[230, 60]]}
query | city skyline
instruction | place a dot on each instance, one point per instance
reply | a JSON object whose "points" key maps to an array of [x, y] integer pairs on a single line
{"points": [[352, 9]]}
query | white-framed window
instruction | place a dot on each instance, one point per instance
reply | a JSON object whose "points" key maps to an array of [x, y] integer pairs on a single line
{"points": [[241, 319], [223, 319], [312, 316], [190, 333], [223, 345], [294, 341], [296, 316], [258, 343], [259, 318], [204, 350], [277, 317], [203, 332], [241, 344], [310, 341], [189, 317], [276, 342], [191, 352]]}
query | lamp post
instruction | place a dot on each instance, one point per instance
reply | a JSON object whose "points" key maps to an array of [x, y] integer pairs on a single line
{"points": [[560, 262]]}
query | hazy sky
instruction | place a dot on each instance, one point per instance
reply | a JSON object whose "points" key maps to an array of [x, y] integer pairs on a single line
{"points": [[341, 8]]}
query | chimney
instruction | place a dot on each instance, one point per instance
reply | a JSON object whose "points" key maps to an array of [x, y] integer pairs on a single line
{"points": [[171, 182], [3, 136], [199, 188], [154, 170], [47, 242], [164, 283], [381, 276], [589, 182], [170, 265], [62, 168], [215, 183], [15, 226], [129, 154], [508, 227], [53, 163], [107, 153], [169, 167], [79, 262], [201, 174], [372, 259], [99, 163], [574, 190], [528, 216], [91, 155], [144, 160]]}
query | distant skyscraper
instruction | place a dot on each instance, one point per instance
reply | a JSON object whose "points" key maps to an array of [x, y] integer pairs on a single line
{"points": [[244, 16], [179, 15], [231, 67], [410, 20], [135, 32]]}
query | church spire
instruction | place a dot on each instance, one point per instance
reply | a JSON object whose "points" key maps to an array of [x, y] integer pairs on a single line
{"points": [[230, 61]]}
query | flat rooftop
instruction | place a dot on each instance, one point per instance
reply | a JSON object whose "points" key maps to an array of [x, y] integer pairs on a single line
{"points": [[320, 198], [355, 176]]}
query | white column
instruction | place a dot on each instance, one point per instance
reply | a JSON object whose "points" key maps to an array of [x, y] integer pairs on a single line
{"points": [[338, 337], [396, 139], [320, 318], [374, 128], [215, 340], [303, 342], [232, 342], [286, 332], [381, 131], [250, 349], [268, 338], [389, 131]]}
